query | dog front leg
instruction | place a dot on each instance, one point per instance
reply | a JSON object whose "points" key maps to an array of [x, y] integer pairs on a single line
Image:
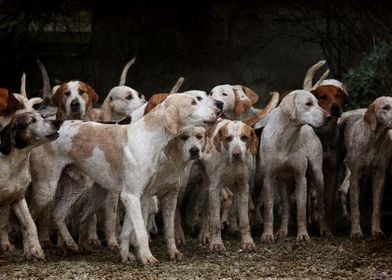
{"points": [[135, 219], [243, 206], [169, 204], [31, 247], [285, 203], [214, 202], [111, 211], [5, 244], [268, 193], [377, 190], [301, 192], [356, 231]]}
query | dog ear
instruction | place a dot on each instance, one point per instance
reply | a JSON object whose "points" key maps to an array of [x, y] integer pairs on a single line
{"points": [[155, 100], [287, 105], [13, 103], [370, 116], [345, 96], [92, 95], [171, 119], [57, 96], [220, 137], [7, 141], [240, 104], [106, 110], [253, 143], [250, 94]]}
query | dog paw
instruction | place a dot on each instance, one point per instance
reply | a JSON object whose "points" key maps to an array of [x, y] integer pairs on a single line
{"points": [[127, 257], [46, 243], [35, 253], [204, 238], [175, 255], [113, 245], [217, 248], [73, 247], [303, 237], [249, 247], [378, 235], [95, 242], [180, 241], [281, 234], [149, 260], [7, 247], [356, 235], [267, 238], [85, 247]]}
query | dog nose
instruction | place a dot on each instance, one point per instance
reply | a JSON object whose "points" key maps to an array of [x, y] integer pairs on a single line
{"points": [[236, 156], [219, 104], [57, 124], [194, 151], [336, 111], [75, 104]]}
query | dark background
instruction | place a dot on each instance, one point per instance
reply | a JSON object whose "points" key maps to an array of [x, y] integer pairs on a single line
{"points": [[265, 45]]}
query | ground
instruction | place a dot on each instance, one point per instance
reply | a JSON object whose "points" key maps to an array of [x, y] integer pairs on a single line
{"points": [[338, 258]]}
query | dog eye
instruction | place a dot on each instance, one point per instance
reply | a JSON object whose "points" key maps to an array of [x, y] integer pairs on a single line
{"points": [[224, 94], [323, 97], [193, 102], [199, 98], [129, 97], [199, 136], [184, 137], [81, 91], [386, 107], [67, 93], [309, 103], [244, 138], [229, 138]]}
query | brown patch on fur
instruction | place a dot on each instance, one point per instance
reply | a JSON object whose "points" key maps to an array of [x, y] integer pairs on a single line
{"points": [[241, 105], [110, 139], [253, 140], [265, 111], [221, 137], [155, 100], [329, 95], [8, 103], [59, 100]]}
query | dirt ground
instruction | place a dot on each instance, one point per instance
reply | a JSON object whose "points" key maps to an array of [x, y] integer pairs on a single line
{"points": [[338, 258]]}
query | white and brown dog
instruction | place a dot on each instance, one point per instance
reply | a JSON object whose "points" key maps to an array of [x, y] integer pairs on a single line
{"points": [[25, 131]]}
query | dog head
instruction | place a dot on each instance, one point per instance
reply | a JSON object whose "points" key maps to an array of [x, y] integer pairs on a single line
{"points": [[121, 102], [237, 138], [8, 103], [191, 143], [75, 100], [332, 97], [27, 130], [236, 99], [181, 111], [302, 107], [379, 113]]}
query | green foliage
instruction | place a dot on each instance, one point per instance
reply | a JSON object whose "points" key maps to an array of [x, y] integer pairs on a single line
{"points": [[371, 78]]}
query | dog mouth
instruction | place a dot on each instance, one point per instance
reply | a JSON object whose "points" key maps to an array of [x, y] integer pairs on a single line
{"points": [[52, 136]]}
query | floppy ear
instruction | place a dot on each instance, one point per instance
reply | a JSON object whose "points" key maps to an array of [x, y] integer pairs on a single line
{"points": [[7, 140], [253, 143], [93, 96], [220, 137], [250, 94], [13, 103], [106, 110], [345, 96], [240, 105], [155, 100], [171, 119], [370, 116], [288, 106], [57, 96]]}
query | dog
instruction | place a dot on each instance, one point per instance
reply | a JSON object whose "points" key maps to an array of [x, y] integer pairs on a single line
{"points": [[229, 164], [288, 148], [123, 158], [367, 139], [25, 131]]}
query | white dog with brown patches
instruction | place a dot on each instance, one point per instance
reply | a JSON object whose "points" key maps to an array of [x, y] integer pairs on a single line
{"points": [[229, 165], [25, 131], [123, 158], [288, 147]]}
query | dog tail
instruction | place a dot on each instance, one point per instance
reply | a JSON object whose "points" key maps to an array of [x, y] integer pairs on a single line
{"points": [[265, 111], [308, 81], [124, 72], [46, 92], [23, 85], [177, 86]]}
